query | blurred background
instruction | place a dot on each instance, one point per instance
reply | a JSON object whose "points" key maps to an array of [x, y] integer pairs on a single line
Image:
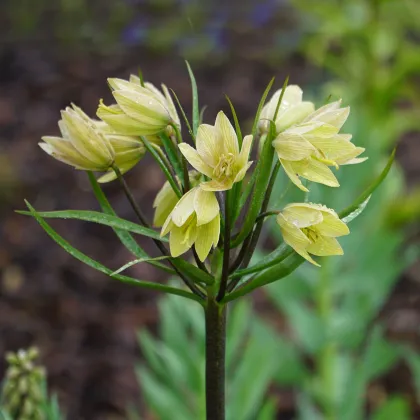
{"points": [[338, 343]]}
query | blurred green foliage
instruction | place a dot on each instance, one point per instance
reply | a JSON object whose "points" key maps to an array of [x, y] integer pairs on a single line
{"points": [[172, 376], [24, 394]]}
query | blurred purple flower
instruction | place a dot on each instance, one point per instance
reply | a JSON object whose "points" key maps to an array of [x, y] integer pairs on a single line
{"points": [[263, 12], [135, 32]]}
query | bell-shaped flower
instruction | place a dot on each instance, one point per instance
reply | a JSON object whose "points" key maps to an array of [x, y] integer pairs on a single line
{"points": [[140, 111], [81, 144], [312, 229], [217, 155], [292, 109], [195, 220], [166, 199], [307, 149]]}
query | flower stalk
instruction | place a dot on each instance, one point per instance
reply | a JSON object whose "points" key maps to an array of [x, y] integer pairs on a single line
{"points": [[215, 319]]}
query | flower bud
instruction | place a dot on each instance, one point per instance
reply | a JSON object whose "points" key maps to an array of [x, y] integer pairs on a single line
{"points": [[311, 229], [82, 145], [140, 110]]}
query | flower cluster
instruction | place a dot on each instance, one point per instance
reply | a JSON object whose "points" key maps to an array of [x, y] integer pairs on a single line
{"points": [[23, 394], [307, 142]]}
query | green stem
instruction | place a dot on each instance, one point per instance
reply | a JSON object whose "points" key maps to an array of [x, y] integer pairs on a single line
{"points": [[226, 249], [215, 314], [327, 355]]}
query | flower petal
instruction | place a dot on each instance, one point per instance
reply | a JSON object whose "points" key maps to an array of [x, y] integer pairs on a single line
{"points": [[289, 168], [206, 206], [325, 246], [215, 185], [292, 235], [332, 226], [316, 171], [227, 133], [177, 243], [246, 149], [195, 159], [302, 216], [241, 174], [208, 236], [208, 144], [184, 208], [292, 147]]}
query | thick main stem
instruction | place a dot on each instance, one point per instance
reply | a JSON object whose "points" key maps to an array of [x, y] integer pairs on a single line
{"points": [[215, 359]]}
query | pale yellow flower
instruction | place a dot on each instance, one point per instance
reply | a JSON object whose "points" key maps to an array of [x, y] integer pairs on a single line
{"points": [[195, 220], [82, 144], [308, 149], [139, 110], [90, 144], [292, 109], [166, 199], [311, 229], [217, 155]]}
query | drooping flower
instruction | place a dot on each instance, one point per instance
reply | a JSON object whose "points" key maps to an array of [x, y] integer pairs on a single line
{"points": [[217, 155], [166, 199], [139, 110], [312, 229], [92, 145], [82, 144], [195, 220], [307, 149], [292, 109]]}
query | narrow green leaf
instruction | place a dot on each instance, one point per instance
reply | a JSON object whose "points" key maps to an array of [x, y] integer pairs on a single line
{"points": [[162, 165], [98, 266], [235, 119], [275, 257], [286, 81], [245, 194], [260, 107], [368, 192], [195, 107], [172, 152], [101, 218], [125, 237], [263, 170], [192, 272], [357, 212], [138, 261], [187, 123], [141, 77], [271, 275], [203, 110]]}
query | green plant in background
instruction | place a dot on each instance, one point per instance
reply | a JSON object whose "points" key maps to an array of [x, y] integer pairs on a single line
{"points": [[204, 217], [24, 394], [172, 376], [370, 47]]}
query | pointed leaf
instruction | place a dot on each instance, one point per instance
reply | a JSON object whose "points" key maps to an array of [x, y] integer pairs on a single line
{"points": [[260, 107], [98, 266], [138, 261], [368, 192], [100, 218], [195, 107]]}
